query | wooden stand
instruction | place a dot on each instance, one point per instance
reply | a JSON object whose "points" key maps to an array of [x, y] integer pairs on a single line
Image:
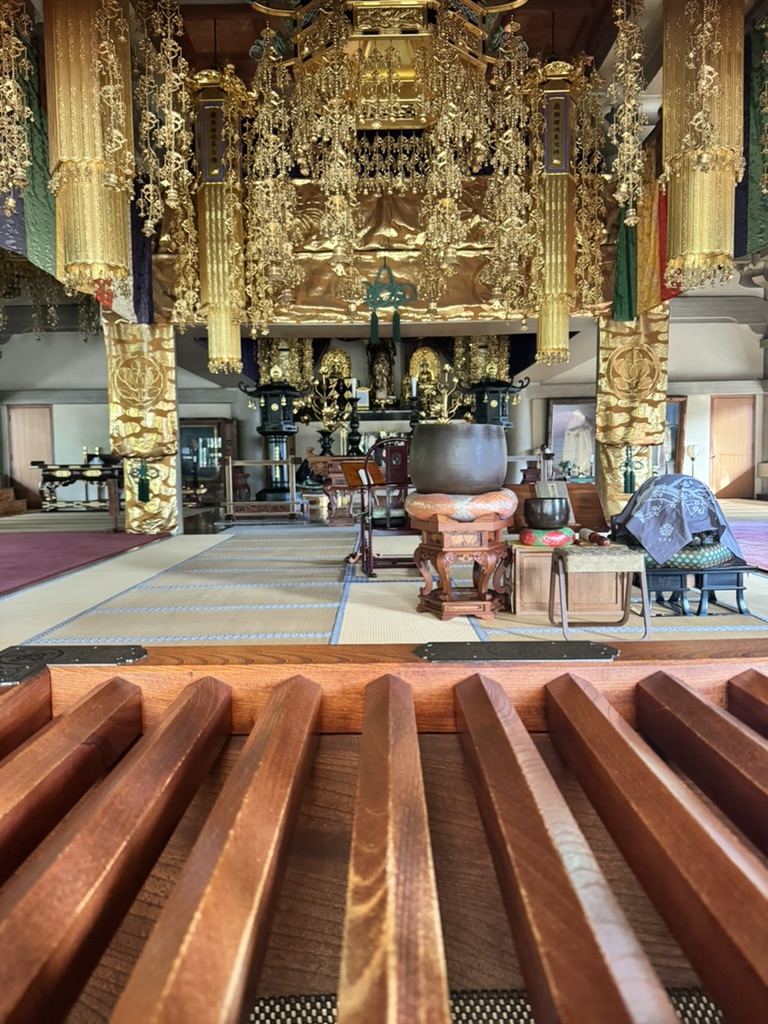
{"points": [[531, 572], [445, 542]]}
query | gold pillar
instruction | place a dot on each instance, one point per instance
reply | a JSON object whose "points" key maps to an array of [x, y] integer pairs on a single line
{"points": [[219, 209], [703, 72], [92, 201], [143, 425], [632, 385], [558, 248]]}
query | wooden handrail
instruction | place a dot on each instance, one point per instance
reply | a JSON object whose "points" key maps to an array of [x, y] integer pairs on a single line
{"points": [[748, 699]]}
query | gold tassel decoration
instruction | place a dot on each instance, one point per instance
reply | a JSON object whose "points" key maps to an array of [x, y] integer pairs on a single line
{"points": [[222, 286], [90, 142], [558, 272], [703, 71]]}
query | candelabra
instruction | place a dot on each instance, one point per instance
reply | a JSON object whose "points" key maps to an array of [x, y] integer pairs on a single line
{"points": [[353, 441], [326, 403]]}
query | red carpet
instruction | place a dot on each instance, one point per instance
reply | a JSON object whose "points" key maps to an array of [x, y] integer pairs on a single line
{"points": [[753, 540], [27, 557]]}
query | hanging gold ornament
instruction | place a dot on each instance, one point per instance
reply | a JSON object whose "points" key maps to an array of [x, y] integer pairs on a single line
{"points": [[556, 184], [90, 151], [221, 98], [703, 73], [15, 158], [629, 119]]}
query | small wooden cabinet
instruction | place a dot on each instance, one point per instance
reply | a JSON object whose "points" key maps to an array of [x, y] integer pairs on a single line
{"points": [[589, 593]]}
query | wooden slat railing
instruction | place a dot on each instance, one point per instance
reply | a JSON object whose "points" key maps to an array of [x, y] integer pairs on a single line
{"points": [[26, 709], [724, 757], [202, 959], [580, 958], [79, 910], [748, 699], [59, 910], [711, 891], [41, 781], [392, 965]]}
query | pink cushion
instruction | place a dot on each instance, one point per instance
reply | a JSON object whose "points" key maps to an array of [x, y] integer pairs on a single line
{"points": [[464, 508], [546, 538]]}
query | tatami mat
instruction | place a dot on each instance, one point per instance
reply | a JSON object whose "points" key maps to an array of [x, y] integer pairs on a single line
{"points": [[385, 613], [277, 585]]}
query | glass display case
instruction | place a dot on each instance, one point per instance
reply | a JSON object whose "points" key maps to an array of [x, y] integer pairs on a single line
{"points": [[204, 444]]}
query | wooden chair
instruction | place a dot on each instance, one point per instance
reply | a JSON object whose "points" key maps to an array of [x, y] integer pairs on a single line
{"points": [[184, 835], [385, 481]]}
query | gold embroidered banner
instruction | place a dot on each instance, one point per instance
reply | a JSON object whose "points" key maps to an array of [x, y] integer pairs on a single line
{"points": [[141, 387], [632, 379], [160, 514]]}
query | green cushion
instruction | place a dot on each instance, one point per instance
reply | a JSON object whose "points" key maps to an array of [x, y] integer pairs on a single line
{"points": [[694, 556]]}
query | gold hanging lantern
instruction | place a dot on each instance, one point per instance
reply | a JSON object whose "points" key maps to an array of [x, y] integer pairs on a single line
{"points": [[703, 71], [90, 140], [222, 288]]}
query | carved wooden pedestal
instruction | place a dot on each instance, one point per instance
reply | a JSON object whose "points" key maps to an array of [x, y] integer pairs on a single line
{"points": [[445, 542]]}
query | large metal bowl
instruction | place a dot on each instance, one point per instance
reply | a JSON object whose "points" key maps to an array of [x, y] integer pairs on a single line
{"points": [[545, 513]]}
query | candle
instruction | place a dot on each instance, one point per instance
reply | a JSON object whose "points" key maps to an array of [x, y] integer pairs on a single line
{"points": [[353, 387], [414, 387]]}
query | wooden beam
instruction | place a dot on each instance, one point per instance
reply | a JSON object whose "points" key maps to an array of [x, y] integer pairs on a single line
{"points": [[748, 699], [393, 963], [580, 958], [203, 958], [60, 909], [44, 779], [23, 710], [724, 757], [711, 890], [343, 682]]}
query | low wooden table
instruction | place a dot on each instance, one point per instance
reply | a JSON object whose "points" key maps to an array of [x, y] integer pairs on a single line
{"points": [[445, 542], [707, 581]]}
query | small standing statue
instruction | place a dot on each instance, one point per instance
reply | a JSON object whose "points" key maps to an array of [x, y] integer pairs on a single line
{"points": [[381, 369]]}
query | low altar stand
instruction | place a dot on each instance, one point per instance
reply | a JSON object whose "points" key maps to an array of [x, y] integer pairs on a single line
{"points": [[482, 543], [373, 828]]}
